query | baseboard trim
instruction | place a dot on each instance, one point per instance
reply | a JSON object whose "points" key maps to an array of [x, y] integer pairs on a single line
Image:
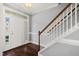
{"points": [[37, 43], [40, 54]]}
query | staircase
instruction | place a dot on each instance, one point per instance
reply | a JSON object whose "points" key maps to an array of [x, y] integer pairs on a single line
{"points": [[62, 28]]}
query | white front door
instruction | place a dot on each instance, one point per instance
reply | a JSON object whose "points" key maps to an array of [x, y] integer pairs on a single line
{"points": [[16, 30]]}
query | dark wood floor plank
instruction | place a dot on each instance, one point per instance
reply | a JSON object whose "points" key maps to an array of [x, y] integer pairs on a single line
{"points": [[29, 49]]}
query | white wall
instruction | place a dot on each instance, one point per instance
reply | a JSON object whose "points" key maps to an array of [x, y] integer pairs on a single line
{"points": [[40, 20]]}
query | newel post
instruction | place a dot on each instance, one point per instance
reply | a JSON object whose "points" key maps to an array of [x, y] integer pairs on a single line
{"points": [[39, 39]]}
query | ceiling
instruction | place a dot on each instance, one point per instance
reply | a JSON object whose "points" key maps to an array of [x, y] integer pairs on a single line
{"points": [[36, 7]]}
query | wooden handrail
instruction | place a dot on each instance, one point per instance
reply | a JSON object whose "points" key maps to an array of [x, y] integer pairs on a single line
{"points": [[55, 18]]}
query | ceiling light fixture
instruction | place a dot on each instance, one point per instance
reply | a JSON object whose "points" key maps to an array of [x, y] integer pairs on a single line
{"points": [[28, 5]]}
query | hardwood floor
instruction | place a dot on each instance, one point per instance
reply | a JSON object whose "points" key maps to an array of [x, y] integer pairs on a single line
{"points": [[29, 49]]}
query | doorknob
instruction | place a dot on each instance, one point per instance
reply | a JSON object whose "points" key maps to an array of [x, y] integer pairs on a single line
{"points": [[12, 33]]}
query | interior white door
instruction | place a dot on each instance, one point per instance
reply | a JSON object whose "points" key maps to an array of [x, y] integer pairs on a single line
{"points": [[16, 30]]}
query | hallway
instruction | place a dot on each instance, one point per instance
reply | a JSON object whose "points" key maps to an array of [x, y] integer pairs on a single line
{"points": [[25, 30]]}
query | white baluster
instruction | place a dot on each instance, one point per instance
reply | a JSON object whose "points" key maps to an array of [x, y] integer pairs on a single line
{"points": [[71, 16], [51, 34], [67, 19], [60, 26], [63, 23], [78, 13], [54, 32], [48, 35], [57, 31], [75, 13], [45, 35], [60, 29]]}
